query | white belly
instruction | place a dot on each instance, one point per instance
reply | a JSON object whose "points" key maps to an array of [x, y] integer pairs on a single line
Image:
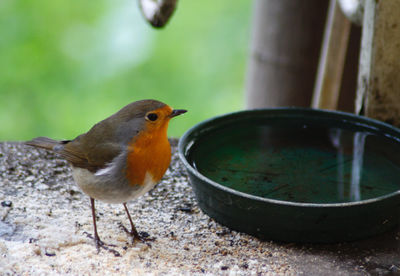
{"points": [[104, 188]]}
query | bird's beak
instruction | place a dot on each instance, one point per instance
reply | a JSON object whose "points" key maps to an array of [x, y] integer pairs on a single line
{"points": [[177, 112]]}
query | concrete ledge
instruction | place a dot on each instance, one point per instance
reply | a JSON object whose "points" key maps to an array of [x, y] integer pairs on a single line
{"points": [[44, 217]]}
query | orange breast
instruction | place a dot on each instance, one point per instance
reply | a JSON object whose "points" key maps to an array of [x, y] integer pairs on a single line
{"points": [[150, 152]]}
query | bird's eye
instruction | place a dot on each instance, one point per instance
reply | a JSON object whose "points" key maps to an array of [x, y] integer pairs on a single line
{"points": [[152, 117]]}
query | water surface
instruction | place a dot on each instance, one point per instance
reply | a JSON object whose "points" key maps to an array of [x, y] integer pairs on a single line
{"points": [[300, 163]]}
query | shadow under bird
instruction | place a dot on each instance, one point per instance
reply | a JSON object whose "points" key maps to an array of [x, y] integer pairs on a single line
{"points": [[119, 158]]}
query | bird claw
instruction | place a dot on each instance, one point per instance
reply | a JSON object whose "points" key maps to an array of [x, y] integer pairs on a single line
{"points": [[100, 244], [141, 236], [145, 238]]}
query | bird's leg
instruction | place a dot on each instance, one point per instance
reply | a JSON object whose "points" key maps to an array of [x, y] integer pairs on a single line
{"points": [[133, 231], [97, 240], [142, 236], [99, 243]]}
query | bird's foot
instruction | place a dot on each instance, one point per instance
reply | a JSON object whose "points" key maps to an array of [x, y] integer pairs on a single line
{"points": [[100, 244], [141, 236]]}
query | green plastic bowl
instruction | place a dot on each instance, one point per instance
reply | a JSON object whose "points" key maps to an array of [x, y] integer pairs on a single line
{"points": [[295, 174]]}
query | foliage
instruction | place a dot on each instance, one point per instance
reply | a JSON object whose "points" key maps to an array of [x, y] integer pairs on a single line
{"points": [[66, 65]]}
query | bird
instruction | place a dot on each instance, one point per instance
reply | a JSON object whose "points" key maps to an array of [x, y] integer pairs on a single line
{"points": [[120, 158]]}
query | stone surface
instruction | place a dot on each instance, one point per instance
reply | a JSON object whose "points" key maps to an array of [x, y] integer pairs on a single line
{"points": [[44, 219]]}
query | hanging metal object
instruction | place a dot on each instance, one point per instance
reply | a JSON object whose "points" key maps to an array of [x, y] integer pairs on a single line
{"points": [[157, 12], [353, 9]]}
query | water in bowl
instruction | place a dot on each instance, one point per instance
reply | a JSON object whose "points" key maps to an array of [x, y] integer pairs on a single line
{"points": [[300, 163]]}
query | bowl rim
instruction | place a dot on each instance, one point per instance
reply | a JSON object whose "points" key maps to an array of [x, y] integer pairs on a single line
{"points": [[361, 121]]}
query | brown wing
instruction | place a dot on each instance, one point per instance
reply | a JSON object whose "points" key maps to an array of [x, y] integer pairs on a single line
{"points": [[96, 148], [93, 158]]}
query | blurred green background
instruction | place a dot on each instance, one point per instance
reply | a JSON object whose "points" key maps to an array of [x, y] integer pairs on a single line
{"points": [[67, 65]]}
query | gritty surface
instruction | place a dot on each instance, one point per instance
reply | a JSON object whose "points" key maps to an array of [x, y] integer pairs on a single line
{"points": [[44, 219]]}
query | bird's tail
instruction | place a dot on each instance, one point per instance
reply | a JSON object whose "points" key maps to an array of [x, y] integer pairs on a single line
{"points": [[46, 143]]}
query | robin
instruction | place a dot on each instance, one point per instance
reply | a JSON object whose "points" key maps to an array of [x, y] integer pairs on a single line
{"points": [[119, 158]]}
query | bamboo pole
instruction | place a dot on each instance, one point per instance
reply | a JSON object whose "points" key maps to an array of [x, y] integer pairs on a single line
{"points": [[332, 59]]}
